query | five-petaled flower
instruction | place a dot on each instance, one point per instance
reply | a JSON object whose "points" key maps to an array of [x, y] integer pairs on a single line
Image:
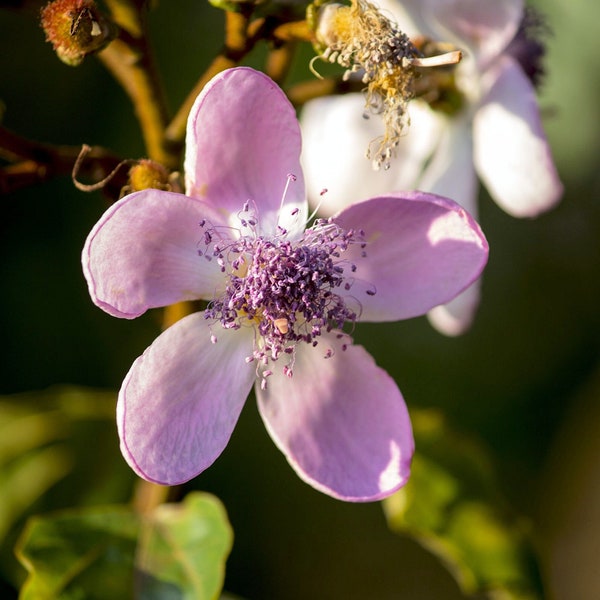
{"points": [[494, 130], [278, 294]]}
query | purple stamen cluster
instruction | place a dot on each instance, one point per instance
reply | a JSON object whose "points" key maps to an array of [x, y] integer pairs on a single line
{"points": [[289, 290]]}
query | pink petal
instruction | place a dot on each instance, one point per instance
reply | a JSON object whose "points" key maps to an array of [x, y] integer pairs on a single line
{"points": [[341, 422], [243, 140], [456, 317], [336, 137], [485, 27], [143, 253], [512, 154], [422, 250], [182, 398], [452, 174]]}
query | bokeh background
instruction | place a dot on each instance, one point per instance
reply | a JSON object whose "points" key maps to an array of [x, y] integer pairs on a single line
{"points": [[524, 382]]}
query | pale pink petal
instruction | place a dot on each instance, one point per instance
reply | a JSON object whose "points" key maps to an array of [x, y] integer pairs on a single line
{"points": [[243, 140], [143, 253], [482, 27], [512, 154], [341, 422], [456, 317], [336, 138], [452, 174], [422, 250], [182, 398]]}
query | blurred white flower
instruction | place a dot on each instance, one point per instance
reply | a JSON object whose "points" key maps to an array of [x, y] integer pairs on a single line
{"points": [[493, 132]]}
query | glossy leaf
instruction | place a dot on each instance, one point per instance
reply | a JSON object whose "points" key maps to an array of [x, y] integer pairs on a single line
{"points": [[183, 549], [177, 551], [452, 506]]}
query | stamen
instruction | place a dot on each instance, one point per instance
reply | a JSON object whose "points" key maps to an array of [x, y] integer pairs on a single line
{"points": [[448, 58], [288, 291], [290, 177]]}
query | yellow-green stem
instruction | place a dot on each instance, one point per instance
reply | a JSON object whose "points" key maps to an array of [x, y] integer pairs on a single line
{"points": [[147, 496], [279, 62], [127, 15], [132, 71], [301, 93]]}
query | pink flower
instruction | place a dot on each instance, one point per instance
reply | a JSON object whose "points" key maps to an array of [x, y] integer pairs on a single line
{"points": [[278, 295], [497, 135]]}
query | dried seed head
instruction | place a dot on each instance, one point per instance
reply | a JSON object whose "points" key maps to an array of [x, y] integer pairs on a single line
{"points": [[364, 41], [75, 28], [361, 39]]}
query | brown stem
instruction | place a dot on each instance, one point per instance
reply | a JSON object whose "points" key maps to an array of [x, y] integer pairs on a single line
{"points": [[131, 62], [147, 496], [34, 162], [301, 93], [127, 14], [279, 61], [132, 72], [294, 31]]}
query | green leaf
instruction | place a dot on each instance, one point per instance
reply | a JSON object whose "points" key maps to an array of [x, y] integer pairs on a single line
{"points": [[453, 507], [183, 549], [176, 552], [79, 554]]}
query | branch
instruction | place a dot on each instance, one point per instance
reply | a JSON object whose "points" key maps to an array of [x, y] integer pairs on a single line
{"points": [[34, 163]]}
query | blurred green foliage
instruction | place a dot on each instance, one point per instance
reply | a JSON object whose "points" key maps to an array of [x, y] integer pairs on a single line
{"points": [[453, 505]]}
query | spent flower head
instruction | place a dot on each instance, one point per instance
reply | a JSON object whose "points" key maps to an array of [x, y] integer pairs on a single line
{"points": [[75, 28], [478, 119], [362, 39], [283, 297]]}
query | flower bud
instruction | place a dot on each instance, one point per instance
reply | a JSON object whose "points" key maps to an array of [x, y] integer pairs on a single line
{"points": [[148, 174], [75, 28]]}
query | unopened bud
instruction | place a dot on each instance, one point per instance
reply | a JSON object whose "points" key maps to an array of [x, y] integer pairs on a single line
{"points": [[75, 28], [148, 174]]}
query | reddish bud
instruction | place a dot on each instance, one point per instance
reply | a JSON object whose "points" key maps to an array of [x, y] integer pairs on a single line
{"points": [[75, 28]]}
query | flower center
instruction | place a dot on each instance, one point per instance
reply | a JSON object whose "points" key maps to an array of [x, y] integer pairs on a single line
{"points": [[290, 291]]}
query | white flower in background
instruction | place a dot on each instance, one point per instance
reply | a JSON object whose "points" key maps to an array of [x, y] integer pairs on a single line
{"points": [[485, 123]]}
